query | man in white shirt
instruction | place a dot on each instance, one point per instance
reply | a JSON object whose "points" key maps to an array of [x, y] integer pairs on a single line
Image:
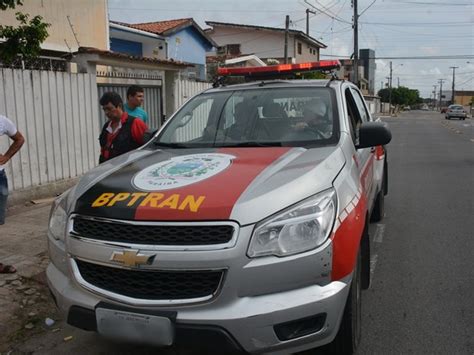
{"points": [[7, 128]]}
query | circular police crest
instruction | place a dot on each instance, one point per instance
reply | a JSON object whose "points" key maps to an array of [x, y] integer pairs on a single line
{"points": [[181, 171]]}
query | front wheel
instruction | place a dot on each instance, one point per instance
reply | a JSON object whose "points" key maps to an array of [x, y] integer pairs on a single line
{"points": [[379, 207], [348, 337]]}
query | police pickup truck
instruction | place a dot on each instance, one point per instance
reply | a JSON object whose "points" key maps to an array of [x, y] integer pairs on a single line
{"points": [[241, 226]]}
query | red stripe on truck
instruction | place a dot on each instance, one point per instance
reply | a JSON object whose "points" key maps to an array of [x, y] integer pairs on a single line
{"points": [[212, 198]]}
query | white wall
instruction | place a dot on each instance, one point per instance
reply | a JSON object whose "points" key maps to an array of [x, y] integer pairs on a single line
{"points": [[150, 43], [306, 55], [185, 89], [88, 18], [57, 113], [264, 44]]}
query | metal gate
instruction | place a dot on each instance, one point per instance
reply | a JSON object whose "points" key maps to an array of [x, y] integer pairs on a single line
{"points": [[152, 103]]}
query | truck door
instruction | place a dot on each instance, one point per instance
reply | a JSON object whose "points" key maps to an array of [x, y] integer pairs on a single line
{"points": [[364, 157]]}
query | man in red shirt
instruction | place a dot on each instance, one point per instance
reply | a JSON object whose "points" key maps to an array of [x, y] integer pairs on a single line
{"points": [[121, 133]]}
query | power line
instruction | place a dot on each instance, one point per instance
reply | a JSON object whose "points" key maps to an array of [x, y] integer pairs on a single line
{"points": [[432, 57], [337, 14], [460, 56], [368, 7], [330, 15], [198, 10], [433, 3], [447, 24], [433, 74], [464, 82]]}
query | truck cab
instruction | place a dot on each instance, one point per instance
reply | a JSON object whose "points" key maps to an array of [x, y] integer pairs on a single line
{"points": [[243, 223]]}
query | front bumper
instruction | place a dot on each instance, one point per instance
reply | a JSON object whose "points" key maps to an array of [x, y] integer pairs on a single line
{"points": [[247, 321], [258, 298]]}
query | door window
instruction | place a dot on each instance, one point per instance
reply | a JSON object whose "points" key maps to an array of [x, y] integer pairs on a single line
{"points": [[354, 116], [359, 101]]}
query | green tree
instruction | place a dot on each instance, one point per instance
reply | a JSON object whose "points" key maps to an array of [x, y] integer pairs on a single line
{"points": [[24, 40], [312, 75], [400, 96], [384, 95]]}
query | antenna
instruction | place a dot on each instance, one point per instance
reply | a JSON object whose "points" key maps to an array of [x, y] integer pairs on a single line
{"points": [[72, 29], [67, 45]]}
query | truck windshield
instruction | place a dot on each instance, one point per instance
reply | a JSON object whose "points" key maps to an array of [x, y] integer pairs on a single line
{"points": [[254, 117]]}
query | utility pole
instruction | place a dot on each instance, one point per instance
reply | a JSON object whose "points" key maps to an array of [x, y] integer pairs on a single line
{"points": [[356, 44], [398, 81], [440, 81], [308, 11], [390, 91], [452, 96], [287, 30], [434, 95]]}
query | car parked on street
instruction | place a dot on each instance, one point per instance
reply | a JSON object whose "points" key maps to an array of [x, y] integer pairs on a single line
{"points": [[456, 111], [241, 226]]}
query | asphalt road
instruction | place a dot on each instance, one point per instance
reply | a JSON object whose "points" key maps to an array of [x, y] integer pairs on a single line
{"points": [[421, 299]]}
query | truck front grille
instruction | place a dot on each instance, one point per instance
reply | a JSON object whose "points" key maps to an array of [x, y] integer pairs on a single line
{"points": [[150, 284], [153, 234]]}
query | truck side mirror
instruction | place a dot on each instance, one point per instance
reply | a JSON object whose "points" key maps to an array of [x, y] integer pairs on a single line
{"points": [[372, 134]]}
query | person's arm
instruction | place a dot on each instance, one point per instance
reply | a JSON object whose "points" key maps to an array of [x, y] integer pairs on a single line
{"points": [[138, 131], [18, 141]]}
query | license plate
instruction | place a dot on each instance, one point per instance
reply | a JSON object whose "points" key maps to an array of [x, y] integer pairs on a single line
{"points": [[134, 327]]}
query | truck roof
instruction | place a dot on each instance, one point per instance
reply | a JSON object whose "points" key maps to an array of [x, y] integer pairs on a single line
{"points": [[277, 83]]}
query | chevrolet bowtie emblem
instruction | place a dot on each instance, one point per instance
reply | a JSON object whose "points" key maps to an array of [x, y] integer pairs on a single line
{"points": [[132, 258]]}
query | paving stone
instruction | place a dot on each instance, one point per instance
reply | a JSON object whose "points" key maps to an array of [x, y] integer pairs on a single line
{"points": [[30, 291], [12, 277]]}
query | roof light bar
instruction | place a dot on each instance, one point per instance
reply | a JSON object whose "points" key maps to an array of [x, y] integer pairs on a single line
{"points": [[280, 68]]}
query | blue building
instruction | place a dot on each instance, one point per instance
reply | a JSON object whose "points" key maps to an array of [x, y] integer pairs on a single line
{"points": [[181, 40]]}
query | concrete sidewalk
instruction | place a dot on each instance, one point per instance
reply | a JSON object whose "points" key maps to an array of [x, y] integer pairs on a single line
{"points": [[23, 239], [24, 297], [25, 302]]}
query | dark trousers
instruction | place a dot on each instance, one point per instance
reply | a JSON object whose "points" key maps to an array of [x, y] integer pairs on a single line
{"points": [[3, 195]]}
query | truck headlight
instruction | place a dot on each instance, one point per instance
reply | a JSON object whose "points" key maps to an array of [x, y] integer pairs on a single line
{"points": [[300, 228], [58, 217]]}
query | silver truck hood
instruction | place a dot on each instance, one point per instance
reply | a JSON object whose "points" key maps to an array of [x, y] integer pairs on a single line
{"points": [[241, 184]]}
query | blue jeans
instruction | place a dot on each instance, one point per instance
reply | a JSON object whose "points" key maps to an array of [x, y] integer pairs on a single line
{"points": [[3, 195]]}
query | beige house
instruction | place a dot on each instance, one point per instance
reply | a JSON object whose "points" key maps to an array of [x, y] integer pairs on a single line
{"points": [[265, 42], [463, 97], [74, 23]]}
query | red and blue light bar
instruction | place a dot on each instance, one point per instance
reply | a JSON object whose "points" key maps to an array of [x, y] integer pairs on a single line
{"points": [[280, 68]]}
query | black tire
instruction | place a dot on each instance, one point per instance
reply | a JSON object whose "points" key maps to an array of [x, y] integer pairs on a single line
{"points": [[379, 207], [348, 337]]}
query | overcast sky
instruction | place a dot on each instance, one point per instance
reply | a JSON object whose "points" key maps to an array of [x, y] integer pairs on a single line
{"points": [[393, 28]]}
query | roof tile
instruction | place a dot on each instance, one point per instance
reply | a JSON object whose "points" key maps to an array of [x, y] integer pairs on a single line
{"points": [[159, 27]]}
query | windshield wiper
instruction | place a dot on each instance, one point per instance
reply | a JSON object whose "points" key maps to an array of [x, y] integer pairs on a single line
{"points": [[251, 144], [170, 145]]}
